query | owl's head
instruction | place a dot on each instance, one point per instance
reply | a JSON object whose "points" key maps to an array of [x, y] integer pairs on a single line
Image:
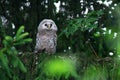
{"points": [[47, 24]]}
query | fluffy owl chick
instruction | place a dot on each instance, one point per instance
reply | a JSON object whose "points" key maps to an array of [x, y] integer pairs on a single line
{"points": [[46, 39]]}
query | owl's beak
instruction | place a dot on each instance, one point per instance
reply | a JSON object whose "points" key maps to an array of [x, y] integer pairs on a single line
{"points": [[49, 26]]}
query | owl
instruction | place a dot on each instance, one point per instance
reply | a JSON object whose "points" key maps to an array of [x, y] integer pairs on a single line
{"points": [[46, 39]]}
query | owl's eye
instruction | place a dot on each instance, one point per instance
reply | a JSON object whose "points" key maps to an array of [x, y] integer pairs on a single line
{"points": [[50, 25], [45, 24]]}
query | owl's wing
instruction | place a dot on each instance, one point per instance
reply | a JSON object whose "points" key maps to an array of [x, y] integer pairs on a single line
{"points": [[55, 40], [38, 43]]}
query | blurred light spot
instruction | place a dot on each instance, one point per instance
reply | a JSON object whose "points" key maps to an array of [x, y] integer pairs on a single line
{"points": [[86, 11], [13, 32], [57, 6], [104, 29], [91, 3], [13, 26], [63, 14], [112, 8], [100, 2], [8, 12], [58, 18], [36, 63], [92, 8], [98, 32], [69, 47], [90, 29], [77, 15], [111, 16], [107, 3], [27, 4], [111, 53], [110, 12], [20, 53], [104, 32], [64, 50], [46, 1], [115, 4], [63, 3], [21, 8], [96, 22], [115, 35], [109, 32], [81, 1], [119, 56], [22, 30], [46, 6]]}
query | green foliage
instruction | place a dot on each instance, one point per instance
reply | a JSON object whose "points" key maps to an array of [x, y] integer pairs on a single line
{"points": [[82, 24], [55, 67], [95, 73], [9, 61], [115, 71]]}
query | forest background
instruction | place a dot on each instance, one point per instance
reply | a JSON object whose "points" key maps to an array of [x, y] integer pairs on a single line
{"points": [[88, 36]]}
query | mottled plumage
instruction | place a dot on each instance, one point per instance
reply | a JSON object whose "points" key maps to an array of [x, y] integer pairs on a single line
{"points": [[46, 39]]}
